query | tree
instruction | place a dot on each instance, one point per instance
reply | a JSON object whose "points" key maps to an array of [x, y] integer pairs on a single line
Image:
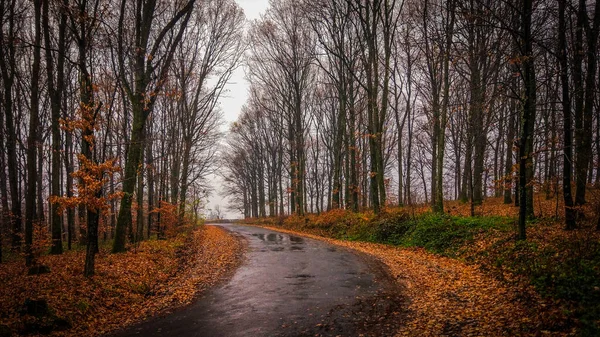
{"points": [[148, 59], [9, 21], [528, 114], [210, 51], [283, 51], [56, 86], [584, 94], [32, 139], [567, 121]]}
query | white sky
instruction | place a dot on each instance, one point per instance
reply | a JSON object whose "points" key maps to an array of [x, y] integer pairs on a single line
{"points": [[232, 102]]}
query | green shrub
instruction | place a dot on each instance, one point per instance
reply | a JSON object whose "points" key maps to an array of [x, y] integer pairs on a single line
{"points": [[438, 233]]}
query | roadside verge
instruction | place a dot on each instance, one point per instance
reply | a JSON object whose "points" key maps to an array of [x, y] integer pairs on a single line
{"points": [[449, 297]]}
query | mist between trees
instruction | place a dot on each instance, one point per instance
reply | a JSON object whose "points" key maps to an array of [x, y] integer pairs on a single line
{"points": [[370, 104]]}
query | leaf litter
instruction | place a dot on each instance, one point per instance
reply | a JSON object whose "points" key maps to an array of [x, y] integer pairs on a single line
{"points": [[448, 297], [156, 276]]}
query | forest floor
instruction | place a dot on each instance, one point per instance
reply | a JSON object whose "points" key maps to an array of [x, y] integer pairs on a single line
{"points": [[467, 275], [153, 277]]}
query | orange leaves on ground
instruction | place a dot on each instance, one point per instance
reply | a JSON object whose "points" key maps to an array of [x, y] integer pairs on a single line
{"points": [[127, 287], [448, 297]]}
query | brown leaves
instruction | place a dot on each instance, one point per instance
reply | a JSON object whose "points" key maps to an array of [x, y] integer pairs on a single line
{"points": [[127, 287], [449, 297]]}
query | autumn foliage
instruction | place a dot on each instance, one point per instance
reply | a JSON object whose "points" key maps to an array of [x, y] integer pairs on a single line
{"points": [[169, 224], [156, 275], [91, 179]]}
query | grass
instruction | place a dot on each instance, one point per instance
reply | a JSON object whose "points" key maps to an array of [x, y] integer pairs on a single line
{"points": [[441, 234]]}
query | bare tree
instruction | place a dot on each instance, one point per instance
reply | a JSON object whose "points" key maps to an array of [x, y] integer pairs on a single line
{"points": [[151, 51]]}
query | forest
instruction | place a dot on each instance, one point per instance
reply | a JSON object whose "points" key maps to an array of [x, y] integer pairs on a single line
{"points": [[403, 116], [109, 114], [365, 105]]}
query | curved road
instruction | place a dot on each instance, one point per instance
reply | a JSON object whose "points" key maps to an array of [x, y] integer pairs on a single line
{"points": [[289, 286]]}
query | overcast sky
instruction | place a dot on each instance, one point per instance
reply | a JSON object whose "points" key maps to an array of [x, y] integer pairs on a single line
{"points": [[233, 100]]}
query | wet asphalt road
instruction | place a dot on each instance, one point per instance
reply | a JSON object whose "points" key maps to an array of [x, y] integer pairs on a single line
{"points": [[288, 286]]}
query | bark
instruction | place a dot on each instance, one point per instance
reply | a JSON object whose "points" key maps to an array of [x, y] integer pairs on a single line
{"points": [[32, 139], [353, 165], [578, 94], [498, 152], [441, 137], [570, 214], [150, 173], [528, 116], [339, 138], [371, 65], [68, 161], [4, 217], [433, 77], [139, 236], [584, 143], [508, 166], [55, 91], [8, 68]]}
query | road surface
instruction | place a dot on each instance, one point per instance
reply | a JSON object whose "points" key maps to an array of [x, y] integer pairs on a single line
{"points": [[289, 286]]}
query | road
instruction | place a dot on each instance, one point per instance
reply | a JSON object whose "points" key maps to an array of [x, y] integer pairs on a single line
{"points": [[289, 286]]}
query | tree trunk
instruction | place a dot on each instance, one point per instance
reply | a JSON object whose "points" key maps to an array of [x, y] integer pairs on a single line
{"points": [[150, 173], [570, 214], [528, 117], [8, 68], [584, 127], [69, 186], [142, 107], [55, 90], [508, 166], [139, 235], [441, 137], [4, 217], [32, 139], [124, 219]]}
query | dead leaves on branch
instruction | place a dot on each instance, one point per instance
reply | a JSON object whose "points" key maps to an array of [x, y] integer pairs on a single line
{"points": [[127, 287]]}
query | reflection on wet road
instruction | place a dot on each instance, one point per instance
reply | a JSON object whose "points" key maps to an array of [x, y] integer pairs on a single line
{"points": [[277, 242], [288, 286]]}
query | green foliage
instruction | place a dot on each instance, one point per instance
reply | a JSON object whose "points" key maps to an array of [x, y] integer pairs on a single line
{"points": [[437, 233], [567, 270]]}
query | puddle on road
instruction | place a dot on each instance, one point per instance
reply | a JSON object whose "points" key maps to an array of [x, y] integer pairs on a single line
{"points": [[301, 280], [296, 239], [295, 242], [274, 237], [301, 276], [260, 236]]}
